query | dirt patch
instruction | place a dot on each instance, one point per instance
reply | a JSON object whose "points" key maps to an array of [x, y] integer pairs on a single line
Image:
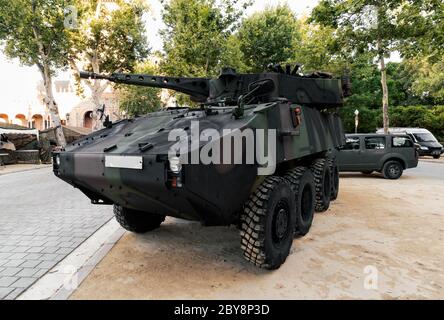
{"points": [[376, 225]]}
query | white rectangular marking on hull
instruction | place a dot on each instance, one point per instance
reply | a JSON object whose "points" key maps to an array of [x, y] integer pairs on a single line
{"points": [[124, 162]]}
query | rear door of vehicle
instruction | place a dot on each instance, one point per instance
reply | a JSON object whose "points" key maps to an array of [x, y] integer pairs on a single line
{"points": [[373, 151], [349, 156], [403, 147]]}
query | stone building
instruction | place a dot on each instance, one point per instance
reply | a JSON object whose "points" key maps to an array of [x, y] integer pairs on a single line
{"points": [[74, 111]]}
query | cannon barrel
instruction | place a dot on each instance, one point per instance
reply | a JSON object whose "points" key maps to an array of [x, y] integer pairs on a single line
{"points": [[197, 88]]}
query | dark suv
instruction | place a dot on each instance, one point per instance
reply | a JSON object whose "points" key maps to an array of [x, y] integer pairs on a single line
{"points": [[388, 154]]}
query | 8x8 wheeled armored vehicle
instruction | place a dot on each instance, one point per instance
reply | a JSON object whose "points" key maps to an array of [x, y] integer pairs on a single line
{"points": [[271, 193]]}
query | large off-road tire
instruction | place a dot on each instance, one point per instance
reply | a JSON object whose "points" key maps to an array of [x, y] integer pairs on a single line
{"points": [[334, 169], [392, 170], [302, 183], [322, 177], [267, 224], [137, 221]]}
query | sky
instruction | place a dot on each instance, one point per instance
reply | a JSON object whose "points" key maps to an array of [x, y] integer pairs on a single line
{"points": [[18, 83]]}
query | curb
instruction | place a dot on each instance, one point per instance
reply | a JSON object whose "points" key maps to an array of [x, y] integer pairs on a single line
{"points": [[40, 167]]}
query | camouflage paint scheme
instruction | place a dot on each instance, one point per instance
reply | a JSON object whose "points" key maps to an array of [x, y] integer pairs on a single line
{"points": [[213, 194]]}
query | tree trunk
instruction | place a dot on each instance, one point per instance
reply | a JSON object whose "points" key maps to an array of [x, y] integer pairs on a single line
{"points": [[97, 90], [52, 107], [385, 98]]}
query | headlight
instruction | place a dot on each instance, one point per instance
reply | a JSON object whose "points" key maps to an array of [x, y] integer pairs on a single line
{"points": [[175, 165], [57, 160], [424, 148]]}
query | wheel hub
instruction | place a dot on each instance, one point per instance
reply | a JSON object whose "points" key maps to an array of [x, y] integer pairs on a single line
{"points": [[394, 170], [280, 222]]}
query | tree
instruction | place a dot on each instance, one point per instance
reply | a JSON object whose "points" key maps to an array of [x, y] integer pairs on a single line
{"points": [[35, 33], [197, 33], [316, 49], [427, 79], [136, 101], [268, 37], [107, 40], [365, 26], [423, 23]]}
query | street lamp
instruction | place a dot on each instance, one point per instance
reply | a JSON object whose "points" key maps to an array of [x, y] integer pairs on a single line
{"points": [[356, 120]]}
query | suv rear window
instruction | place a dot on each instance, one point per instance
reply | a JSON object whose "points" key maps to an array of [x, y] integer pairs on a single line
{"points": [[401, 142], [375, 143]]}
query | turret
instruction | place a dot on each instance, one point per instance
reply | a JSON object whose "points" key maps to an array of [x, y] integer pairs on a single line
{"points": [[318, 90]]}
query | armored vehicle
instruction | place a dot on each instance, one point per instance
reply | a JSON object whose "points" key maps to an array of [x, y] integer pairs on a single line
{"points": [[384, 153], [260, 147]]}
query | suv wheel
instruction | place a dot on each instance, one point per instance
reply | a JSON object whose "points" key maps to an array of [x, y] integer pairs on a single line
{"points": [[392, 170], [137, 221], [267, 224], [302, 183], [322, 178], [437, 156]]}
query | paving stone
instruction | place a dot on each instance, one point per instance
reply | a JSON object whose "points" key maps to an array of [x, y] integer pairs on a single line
{"points": [[7, 281], [67, 244], [5, 291], [47, 264], [49, 257], [7, 249], [14, 294], [33, 256], [52, 243], [10, 271], [49, 249], [40, 273], [23, 282], [27, 272], [30, 263], [5, 255], [18, 256], [34, 231], [35, 249], [13, 263], [64, 250]]}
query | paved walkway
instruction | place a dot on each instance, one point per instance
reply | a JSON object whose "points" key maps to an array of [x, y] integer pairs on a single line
{"points": [[42, 220]]}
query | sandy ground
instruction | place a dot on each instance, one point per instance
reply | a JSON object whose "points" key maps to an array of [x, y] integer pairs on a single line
{"points": [[376, 226]]}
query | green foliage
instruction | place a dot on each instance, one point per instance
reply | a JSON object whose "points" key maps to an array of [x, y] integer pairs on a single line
{"points": [[422, 23], [369, 120], [316, 48], [431, 118], [427, 79], [34, 32], [403, 82], [137, 101], [269, 37], [107, 41], [197, 34], [362, 26], [232, 55], [115, 39]]}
